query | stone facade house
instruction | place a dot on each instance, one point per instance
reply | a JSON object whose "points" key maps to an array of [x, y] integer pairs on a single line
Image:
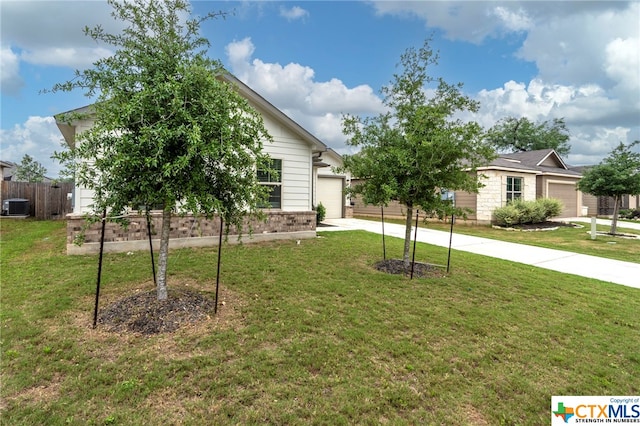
{"points": [[527, 176]]}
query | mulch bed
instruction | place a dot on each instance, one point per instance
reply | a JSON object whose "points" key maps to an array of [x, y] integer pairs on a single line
{"points": [[143, 313], [420, 270], [542, 226]]}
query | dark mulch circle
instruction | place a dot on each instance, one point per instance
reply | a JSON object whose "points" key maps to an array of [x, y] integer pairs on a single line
{"points": [[144, 313], [420, 270]]}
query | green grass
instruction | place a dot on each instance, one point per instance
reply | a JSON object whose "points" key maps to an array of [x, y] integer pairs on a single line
{"points": [[577, 240], [309, 334]]}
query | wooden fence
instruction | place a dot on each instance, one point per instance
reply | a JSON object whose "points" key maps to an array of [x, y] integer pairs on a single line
{"points": [[46, 200]]}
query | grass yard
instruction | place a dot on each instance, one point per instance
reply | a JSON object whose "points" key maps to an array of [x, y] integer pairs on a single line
{"points": [[308, 334], [576, 240]]}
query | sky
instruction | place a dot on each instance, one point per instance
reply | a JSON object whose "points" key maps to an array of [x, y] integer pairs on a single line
{"points": [[319, 60]]}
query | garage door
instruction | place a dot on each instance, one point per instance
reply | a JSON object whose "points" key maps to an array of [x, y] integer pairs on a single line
{"points": [[567, 194], [330, 195]]}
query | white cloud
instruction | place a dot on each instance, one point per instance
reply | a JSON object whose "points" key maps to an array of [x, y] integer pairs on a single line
{"points": [[622, 64], [10, 82], [38, 136], [587, 55], [293, 13], [597, 123], [513, 20], [317, 106], [74, 57]]}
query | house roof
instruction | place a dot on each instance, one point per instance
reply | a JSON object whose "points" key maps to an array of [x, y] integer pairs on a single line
{"points": [[542, 161], [68, 129]]}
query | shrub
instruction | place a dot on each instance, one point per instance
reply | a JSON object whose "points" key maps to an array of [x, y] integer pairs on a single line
{"points": [[522, 212], [507, 215], [629, 214], [530, 211], [321, 212], [552, 206]]}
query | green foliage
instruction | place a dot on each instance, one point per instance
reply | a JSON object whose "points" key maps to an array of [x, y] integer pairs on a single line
{"points": [[30, 170], [169, 127], [522, 212], [552, 207], [507, 216], [321, 212], [617, 175], [520, 134], [630, 213], [417, 148]]}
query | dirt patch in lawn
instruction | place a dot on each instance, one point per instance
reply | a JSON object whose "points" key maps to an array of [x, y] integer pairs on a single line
{"points": [[143, 313], [420, 270]]}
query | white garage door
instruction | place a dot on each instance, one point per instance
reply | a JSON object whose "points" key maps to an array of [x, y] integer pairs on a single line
{"points": [[567, 194], [329, 193]]}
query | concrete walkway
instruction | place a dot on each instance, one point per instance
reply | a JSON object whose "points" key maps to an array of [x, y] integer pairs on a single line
{"points": [[606, 222], [614, 271]]}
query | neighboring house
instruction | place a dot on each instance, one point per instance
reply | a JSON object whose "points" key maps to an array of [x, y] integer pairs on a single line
{"points": [[522, 175], [527, 176], [299, 156], [8, 169]]}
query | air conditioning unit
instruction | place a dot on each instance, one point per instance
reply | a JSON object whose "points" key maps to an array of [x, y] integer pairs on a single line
{"points": [[15, 207]]}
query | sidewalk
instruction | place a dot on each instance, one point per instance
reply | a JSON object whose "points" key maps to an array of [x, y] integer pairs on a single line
{"points": [[614, 271], [605, 222]]}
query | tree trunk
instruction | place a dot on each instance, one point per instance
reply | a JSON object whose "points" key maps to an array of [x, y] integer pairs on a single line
{"points": [[164, 253], [614, 220], [407, 238]]}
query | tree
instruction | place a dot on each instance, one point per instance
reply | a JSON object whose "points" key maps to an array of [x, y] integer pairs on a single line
{"points": [[617, 175], [29, 170], [417, 148], [520, 134], [168, 129]]}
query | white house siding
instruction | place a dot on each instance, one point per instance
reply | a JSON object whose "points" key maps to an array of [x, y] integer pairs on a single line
{"points": [[494, 193], [82, 197], [296, 165]]}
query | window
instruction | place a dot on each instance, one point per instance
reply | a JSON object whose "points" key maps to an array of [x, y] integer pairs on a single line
{"points": [[514, 188], [274, 181]]}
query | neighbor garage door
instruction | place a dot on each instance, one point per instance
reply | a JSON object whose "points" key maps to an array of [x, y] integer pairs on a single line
{"points": [[567, 194], [330, 195]]}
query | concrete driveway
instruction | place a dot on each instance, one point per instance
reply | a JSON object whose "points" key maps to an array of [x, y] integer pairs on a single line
{"points": [[609, 270]]}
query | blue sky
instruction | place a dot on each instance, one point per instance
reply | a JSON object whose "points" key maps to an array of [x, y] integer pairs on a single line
{"points": [[318, 60]]}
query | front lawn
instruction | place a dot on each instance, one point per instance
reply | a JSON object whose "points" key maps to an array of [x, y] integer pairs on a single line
{"points": [[309, 333], [576, 240]]}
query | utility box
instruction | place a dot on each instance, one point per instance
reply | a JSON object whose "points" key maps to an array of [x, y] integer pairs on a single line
{"points": [[15, 207]]}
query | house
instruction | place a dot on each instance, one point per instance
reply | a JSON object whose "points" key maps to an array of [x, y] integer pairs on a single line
{"points": [[522, 175], [7, 169], [527, 176], [305, 173]]}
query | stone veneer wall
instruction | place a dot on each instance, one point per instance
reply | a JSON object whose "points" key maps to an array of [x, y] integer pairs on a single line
{"points": [[186, 231], [494, 193]]}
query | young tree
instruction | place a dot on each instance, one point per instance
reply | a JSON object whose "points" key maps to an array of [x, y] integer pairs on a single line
{"points": [[169, 130], [417, 148], [520, 134], [617, 175], [29, 170]]}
